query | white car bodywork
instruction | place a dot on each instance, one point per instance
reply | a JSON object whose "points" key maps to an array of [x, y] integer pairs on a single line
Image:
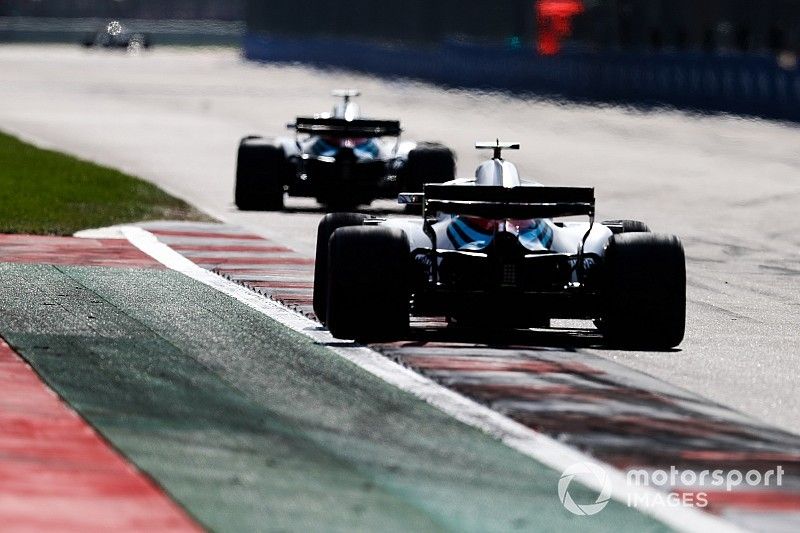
{"points": [[562, 237], [339, 158], [491, 252], [376, 148]]}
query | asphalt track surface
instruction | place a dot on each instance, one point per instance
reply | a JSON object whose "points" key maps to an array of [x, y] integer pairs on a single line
{"points": [[729, 187]]}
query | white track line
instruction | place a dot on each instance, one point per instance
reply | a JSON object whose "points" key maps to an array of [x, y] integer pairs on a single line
{"points": [[513, 434]]}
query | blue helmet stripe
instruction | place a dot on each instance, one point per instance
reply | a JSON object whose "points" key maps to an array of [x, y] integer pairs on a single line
{"points": [[454, 237], [540, 233], [466, 239], [548, 236]]}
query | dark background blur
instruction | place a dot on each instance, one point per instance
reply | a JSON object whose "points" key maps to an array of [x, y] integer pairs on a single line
{"points": [[705, 25], [711, 26], [702, 25], [738, 56], [418, 21], [171, 22], [140, 9]]}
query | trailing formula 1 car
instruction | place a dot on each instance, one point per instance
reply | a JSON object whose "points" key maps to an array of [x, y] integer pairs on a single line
{"points": [[490, 252], [115, 35], [338, 158]]}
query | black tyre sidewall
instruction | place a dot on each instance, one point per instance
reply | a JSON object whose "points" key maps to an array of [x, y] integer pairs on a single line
{"points": [[368, 284], [644, 291], [329, 223], [629, 226], [428, 163], [261, 173]]}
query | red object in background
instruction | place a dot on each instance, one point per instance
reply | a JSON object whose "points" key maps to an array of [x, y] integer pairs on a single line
{"points": [[554, 23]]}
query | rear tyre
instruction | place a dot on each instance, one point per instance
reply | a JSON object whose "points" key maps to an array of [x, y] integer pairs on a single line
{"points": [[329, 223], [645, 291], [261, 173], [428, 163], [628, 226], [368, 284]]}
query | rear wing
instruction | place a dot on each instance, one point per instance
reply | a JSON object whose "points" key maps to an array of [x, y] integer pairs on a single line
{"points": [[339, 127], [509, 202]]}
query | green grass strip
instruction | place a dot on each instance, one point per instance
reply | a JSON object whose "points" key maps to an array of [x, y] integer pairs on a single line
{"points": [[45, 192]]}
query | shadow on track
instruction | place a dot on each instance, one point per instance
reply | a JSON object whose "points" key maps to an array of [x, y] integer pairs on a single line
{"points": [[322, 210], [561, 339]]}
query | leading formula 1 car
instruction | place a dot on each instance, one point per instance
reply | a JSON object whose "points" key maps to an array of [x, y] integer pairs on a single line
{"points": [[115, 35], [490, 252], [338, 158]]}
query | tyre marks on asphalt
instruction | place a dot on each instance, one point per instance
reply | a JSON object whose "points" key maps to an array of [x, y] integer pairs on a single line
{"points": [[626, 419], [545, 381]]}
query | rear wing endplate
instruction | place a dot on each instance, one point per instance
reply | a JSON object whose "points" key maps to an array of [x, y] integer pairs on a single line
{"points": [[339, 127], [509, 202]]}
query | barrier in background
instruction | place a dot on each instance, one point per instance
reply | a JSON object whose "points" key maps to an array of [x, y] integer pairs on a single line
{"points": [[744, 85], [127, 9]]}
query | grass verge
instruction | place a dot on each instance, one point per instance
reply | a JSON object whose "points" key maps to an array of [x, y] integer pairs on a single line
{"points": [[49, 193]]}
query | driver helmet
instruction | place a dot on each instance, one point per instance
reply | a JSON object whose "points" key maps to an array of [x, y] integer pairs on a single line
{"points": [[474, 233]]}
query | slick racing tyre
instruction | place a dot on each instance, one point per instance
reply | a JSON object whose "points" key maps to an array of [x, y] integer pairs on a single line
{"points": [[627, 226], [368, 284], [644, 291], [330, 223], [428, 163], [261, 173]]}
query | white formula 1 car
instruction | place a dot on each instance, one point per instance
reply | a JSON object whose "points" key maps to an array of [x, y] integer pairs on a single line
{"points": [[338, 158], [115, 35], [490, 252]]}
